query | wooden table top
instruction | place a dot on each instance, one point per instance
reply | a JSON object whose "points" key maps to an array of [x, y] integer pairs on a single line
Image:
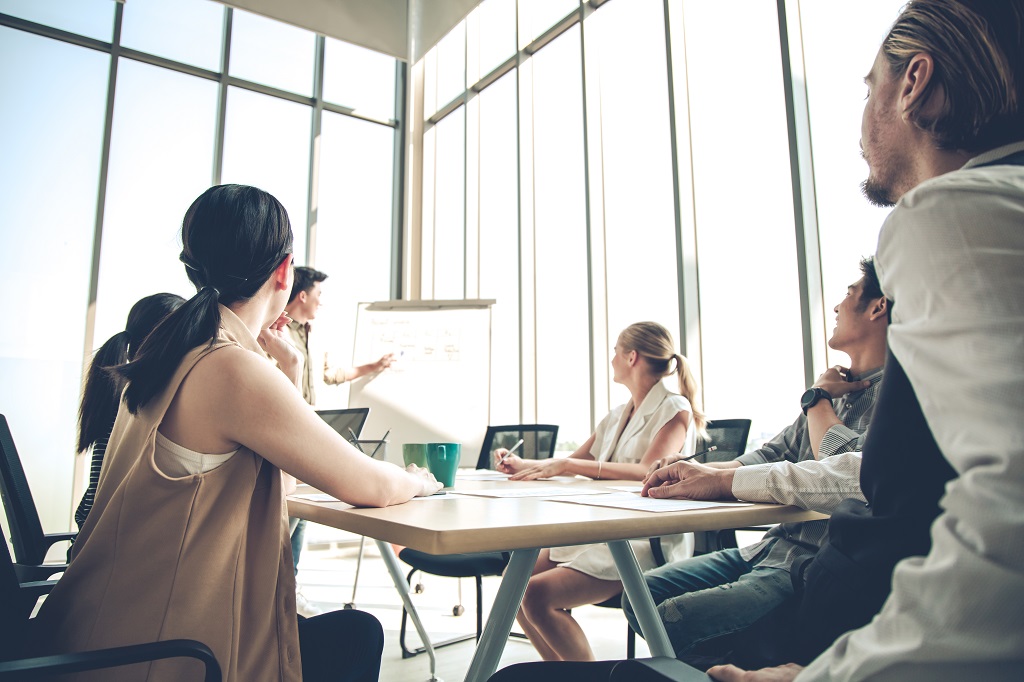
{"points": [[452, 524]]}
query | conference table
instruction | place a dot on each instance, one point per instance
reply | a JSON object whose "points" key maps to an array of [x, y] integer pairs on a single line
{"points": [[463, 523]]}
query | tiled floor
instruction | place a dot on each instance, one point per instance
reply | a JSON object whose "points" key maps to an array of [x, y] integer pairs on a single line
{"points": [[326, 573]]}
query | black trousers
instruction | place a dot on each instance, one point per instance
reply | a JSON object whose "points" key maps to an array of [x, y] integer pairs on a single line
{"points": [[341, 646]]}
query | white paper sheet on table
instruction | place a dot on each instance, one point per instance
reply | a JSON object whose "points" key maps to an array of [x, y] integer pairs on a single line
{"points": [[626, 488], [539, 491], [634, 501], [480, 475]]}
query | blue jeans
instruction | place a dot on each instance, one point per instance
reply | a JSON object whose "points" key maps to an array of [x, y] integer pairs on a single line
{"points": [[711, 595], [297, 528]]}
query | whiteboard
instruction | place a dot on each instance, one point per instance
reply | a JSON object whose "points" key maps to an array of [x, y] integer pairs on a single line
{"points": [[438, 389]]}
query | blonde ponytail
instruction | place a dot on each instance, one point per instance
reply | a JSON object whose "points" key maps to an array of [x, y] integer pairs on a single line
{"points": [[689, 388]]}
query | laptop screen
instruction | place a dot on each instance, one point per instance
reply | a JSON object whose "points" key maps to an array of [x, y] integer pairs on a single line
{"points": [[347, 422]]}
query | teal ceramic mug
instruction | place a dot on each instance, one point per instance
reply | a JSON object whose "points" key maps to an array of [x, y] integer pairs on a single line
{"points": [[415, 453], [443, 461]]}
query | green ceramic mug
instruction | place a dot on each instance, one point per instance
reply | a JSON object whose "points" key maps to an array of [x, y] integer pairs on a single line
{"points": [[443, 461], [415, 453]]}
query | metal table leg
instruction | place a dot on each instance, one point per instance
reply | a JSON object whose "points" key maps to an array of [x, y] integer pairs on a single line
{"points": [[391, 561], [503, 612], [640, 598]]}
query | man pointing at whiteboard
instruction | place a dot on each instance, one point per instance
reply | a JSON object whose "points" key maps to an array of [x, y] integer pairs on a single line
{"points": [[302, 308]]}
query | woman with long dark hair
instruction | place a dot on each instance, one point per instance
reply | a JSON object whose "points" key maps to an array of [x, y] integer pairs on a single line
{"points": [[102, 392], [188, 536]]}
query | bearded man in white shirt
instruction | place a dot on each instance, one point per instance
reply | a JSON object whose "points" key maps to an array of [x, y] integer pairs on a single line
{"points": [[935, 558]]}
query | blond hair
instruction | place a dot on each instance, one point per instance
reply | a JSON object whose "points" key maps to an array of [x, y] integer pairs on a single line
{"points": [[654, 343]]}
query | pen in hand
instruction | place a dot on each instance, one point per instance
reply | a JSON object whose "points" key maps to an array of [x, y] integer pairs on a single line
{"points": [[702, 452], [513, 449]]}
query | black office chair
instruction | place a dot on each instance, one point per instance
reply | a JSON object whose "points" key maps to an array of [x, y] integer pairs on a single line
{"points": [[538, 443], [27, 536], [730, 437], [660, 669], [17, 599]]}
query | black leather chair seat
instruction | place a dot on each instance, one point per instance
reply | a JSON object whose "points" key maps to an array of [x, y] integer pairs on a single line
{"points": [[455, 565]]}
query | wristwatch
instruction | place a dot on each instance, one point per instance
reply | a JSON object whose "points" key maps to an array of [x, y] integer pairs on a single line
{"points": [[811, 397]]}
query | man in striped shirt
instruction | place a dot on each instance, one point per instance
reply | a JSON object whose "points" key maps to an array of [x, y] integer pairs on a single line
{"points": [[814, 464]]}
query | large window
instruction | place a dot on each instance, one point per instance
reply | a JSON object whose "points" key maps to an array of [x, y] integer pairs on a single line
{"points": [[626, 48], [272, 53], [48, 176], [95, 188], [746, 240], [649, 188], [161, 154], [498, 219], [353, 234], [836, 63], [560, 306], [266, 144]]}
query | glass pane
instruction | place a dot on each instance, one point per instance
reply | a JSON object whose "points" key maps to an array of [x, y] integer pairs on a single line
{"points": [[499, 240], [360, 79], [836, 62], [353, 235], [49, 174], [451, 65], [189, 31], [161, 156], [430, 104], [627, 40], [492, 37], [563, 378], [266, 144], [90, 18], [272, 53], [537, 16], [450, 207], [749, 295]]}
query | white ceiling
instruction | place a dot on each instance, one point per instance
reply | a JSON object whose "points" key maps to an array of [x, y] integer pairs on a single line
{"points": [[405, 29]]}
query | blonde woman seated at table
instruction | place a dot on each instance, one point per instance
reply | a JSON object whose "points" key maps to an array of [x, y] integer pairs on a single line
{"points": [[655, 422], [188, 536]]}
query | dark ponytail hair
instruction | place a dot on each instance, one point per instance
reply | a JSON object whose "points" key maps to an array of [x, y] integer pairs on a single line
{"points": [[233, 238], [102, 387]]}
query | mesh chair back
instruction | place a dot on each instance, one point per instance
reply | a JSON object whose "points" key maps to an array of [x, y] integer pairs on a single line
{"points": [[538, 442], [729, 436], [22, 518]]}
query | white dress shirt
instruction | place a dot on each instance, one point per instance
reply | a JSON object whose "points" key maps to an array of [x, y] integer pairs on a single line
{"points": [[951, 257]]}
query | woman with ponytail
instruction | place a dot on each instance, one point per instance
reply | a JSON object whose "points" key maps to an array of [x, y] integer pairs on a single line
{"points": [[188, 535], [655, 423], [102, 392]]}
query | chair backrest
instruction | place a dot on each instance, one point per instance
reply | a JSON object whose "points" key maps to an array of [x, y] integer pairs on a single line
{"points": [[15, 607], [344, 419], [22, 517], [538, 442], [729, 436]]}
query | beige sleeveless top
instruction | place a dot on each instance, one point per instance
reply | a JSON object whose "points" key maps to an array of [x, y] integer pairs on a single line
{"points": [[202, 556]]}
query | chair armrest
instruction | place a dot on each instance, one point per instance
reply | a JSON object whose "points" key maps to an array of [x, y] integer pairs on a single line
{"points": [[47, 666], [50, 539], [661, 669], [27, 572], [36, 588]]}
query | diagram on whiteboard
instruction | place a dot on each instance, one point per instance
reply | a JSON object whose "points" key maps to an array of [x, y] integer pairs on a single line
{"points": [[438, 388], [412, 343]]}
